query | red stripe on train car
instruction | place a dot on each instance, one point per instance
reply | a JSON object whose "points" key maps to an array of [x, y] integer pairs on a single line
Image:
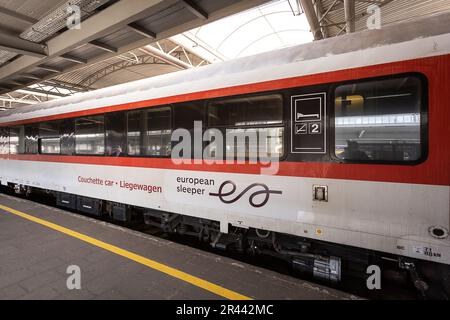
{"points": [[424, 65], [434, 171], [419, 174]]}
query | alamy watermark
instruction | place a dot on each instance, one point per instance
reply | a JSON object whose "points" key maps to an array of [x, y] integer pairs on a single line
{"points": [[231, 146], [74, 19], [73, 281], [373, 281], [374, 19]]}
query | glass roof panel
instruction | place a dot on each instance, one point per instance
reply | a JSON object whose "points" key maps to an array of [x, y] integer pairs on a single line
{"points": [[275, 25]]}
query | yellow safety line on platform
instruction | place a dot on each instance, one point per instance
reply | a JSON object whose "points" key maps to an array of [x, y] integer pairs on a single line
{"points": [[208, 286]]}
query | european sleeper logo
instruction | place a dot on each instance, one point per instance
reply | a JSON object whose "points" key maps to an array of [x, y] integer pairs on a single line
{"points": [[265, 191]]}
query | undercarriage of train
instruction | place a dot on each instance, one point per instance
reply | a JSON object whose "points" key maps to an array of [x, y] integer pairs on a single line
{"points": [[324, 261]]}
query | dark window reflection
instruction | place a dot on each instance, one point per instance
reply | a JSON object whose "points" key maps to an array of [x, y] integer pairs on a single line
{"points": [[17, 140], [31, 139], [4, 140], [115, 134], [255, 120], [379, 120], [50, 137], [149, 132], [68, 137], [90, 136]]}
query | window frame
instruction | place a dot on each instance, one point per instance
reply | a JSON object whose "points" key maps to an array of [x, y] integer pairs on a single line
{"points": [[283, 124], [19, 146], [125, 132], [40, 138], [65, 122], [32, 128], [424, 130], [75, 153], [203, 105], [141, 137], [6, 143]]}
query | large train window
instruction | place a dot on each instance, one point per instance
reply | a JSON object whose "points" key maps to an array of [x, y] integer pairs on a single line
{"points": [[31, 139], [134, 133], [379, 120], [115, 134], [255, 120], [90, 135], [157, 132], [67, 129], [184, 117], [17, 140], [49, 137], [185, 114], [4, 140], [149, 132]]}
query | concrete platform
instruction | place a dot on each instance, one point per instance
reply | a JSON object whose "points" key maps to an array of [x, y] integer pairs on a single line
{"points": [[38, 243]]}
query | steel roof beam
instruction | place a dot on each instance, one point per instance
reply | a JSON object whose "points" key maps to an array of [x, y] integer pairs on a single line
{"points": [[104, 46], [320, 17], [30, 76], [311, 16], [18, 101], [99, 25], [17, 15], [377, 2], [196, 9], [74, 59], [111, 52], [65, 85], [42, 93], [167, 58], [14, 83], [362, 14], [15, 44], [143, 32], [48, 68], [349, 8], [323, 16]]}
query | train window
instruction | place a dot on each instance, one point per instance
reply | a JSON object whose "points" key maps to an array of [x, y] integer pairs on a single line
{"points": [[90, 135], [134, 133], [49, 137], [17, 140], [258, 143], [67, 130], [256, 110], [379, 120], [256, 122], [157, 132], [115, 134], [149, 132], [185, 114], [4, 140], [31, 139]]}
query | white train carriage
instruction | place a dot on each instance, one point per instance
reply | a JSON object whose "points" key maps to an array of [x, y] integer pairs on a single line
{"points": [[359, 125]]}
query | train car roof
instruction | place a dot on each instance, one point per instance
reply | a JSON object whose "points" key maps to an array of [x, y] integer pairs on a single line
{"points": [[425, 37]]}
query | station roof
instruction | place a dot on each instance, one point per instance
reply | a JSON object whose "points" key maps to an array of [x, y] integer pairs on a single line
{"points": [[121, 41], [330, 18], [36, 44]]}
